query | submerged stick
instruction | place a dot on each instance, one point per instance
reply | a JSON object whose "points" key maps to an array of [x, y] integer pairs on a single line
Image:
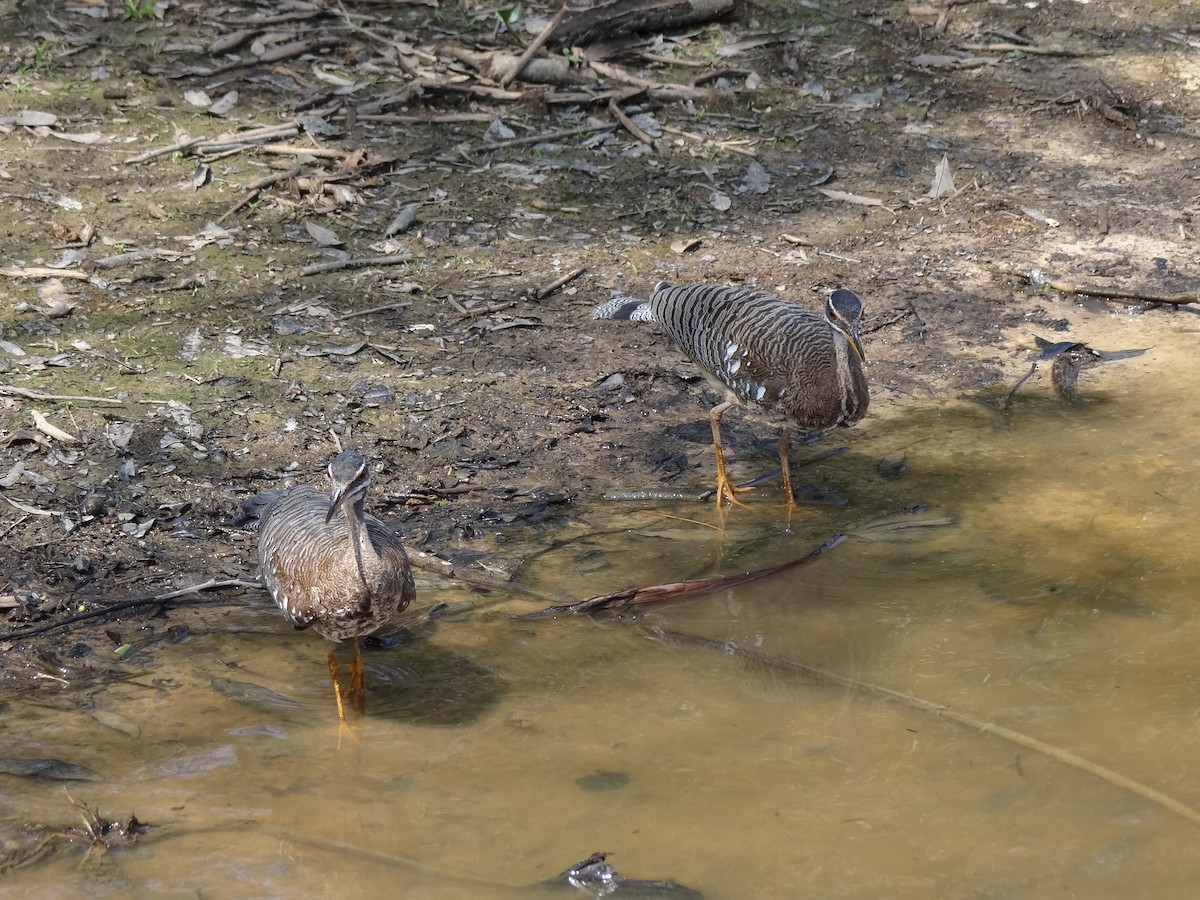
{"points": [[111, 608], [638, 595], [1060, 754]]}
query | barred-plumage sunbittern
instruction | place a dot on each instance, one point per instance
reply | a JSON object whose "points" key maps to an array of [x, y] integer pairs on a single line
{"points": [[333, 568], [798, 367]]}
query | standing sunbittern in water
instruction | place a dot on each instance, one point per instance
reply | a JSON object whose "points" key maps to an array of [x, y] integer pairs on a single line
{"points": [[333, 568], [796, 366]]}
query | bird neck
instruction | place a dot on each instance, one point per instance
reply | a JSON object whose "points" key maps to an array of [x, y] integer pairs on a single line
{"points": [[360, 540]]}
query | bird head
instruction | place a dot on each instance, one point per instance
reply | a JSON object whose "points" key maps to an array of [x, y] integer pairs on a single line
{"points": [[349, 477], [844, 312]]}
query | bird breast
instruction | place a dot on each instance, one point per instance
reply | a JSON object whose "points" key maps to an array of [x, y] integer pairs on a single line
{"points": [[310, 569]]}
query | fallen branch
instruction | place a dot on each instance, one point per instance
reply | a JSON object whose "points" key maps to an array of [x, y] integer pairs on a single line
{"points": [[548, 136], [1105, 294], [628, 124], [135, 256], [636, 596], [360, 263], [1059, 754], [1038, 279], [297, 150], [39, 395], [42, 272], [550, 287], [178, 146], [631, 16], [1032, 48], [387, 307], [534, 46]]}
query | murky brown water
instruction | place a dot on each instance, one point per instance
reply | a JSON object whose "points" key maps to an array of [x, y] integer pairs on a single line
{"points": [[1059, 604]]}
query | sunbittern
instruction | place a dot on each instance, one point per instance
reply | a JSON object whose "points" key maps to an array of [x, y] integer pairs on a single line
{"points": [[798, 367], [332, 567]]}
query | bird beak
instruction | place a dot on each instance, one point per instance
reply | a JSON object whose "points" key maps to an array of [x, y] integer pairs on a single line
{"points": [[855, 344], [339, 500]]}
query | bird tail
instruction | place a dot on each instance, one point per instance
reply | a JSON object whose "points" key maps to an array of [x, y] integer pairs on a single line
{"points": [[253, 508], [634, 309]]}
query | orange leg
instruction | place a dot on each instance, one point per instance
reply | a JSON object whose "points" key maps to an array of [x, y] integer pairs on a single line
{"points": [[335, 675], [357, 690], [725, 488], [785, 464]]}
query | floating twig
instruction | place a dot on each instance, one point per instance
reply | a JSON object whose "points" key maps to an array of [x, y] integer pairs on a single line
{"points": [[639, 595]]}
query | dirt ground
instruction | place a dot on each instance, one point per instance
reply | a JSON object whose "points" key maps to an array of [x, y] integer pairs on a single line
{"points": [[145, 397]]}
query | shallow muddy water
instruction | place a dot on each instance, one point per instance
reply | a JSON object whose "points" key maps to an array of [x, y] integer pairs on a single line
{"points": [[1058, 603]]}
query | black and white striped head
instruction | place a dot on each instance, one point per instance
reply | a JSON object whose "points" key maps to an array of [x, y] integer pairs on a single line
{"points": [[349, 478], [844, 311]]}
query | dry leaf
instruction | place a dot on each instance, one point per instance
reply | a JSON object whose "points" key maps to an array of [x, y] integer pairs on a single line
{"points": [[685, 245], [322, 235], [224, 105], [943, 180]]}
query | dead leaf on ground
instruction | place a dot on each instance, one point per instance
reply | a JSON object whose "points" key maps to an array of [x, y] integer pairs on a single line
{"points": [[943, 180], [322, 235]]}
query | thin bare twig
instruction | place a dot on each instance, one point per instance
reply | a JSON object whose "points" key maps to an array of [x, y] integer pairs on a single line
{"points": [[1034, 49], [387, 307], [163, 151], [550, 287], [628, 124], [254, 190]]}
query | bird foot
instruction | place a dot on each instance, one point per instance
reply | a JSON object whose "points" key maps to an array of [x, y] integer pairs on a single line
{"points": [[727, 490]]}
